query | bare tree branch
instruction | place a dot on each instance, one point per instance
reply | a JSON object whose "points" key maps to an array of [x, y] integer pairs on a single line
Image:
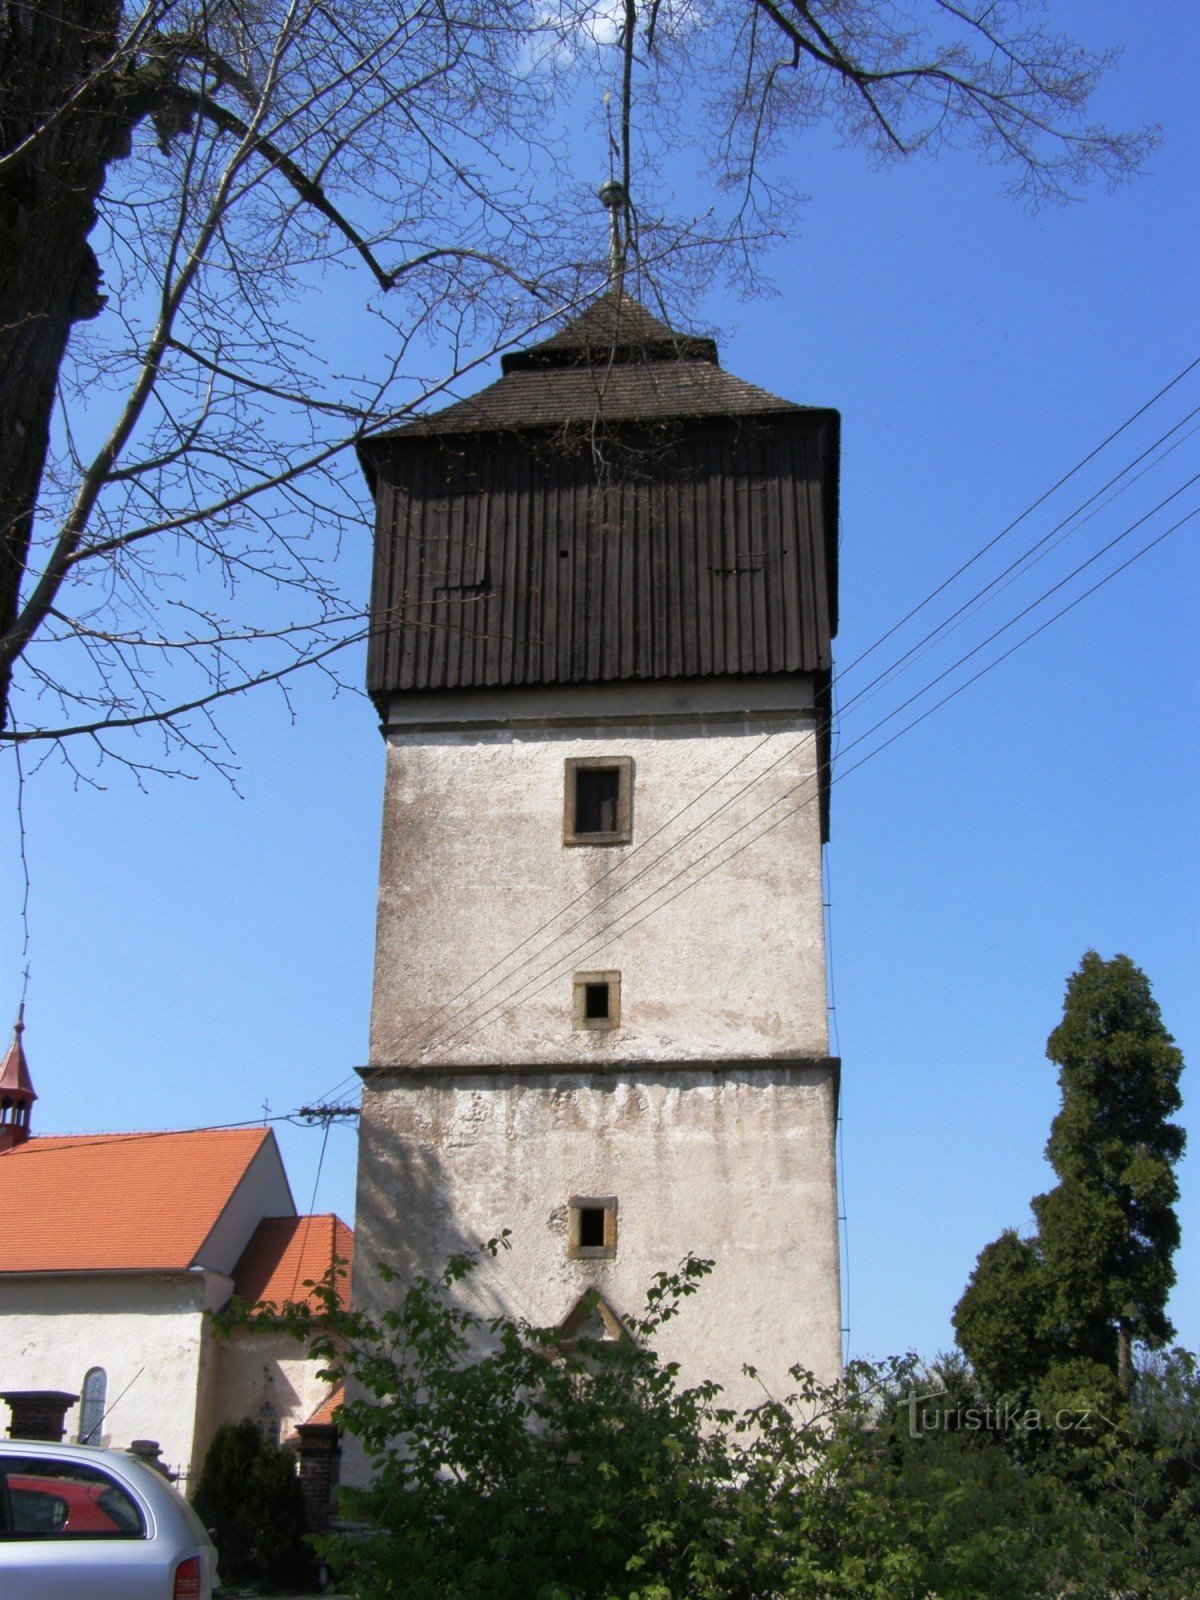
{"points": [[190, 190]]}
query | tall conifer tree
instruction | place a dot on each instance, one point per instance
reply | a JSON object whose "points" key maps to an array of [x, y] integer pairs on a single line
{"points": [[1095, 1279]]}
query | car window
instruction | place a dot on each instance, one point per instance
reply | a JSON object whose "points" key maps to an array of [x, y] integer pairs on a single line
{"points": [[48, 1499]]}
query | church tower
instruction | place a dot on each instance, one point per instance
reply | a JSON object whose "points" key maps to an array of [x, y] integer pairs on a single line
{"points": [[603, 603], [16, 1091]]}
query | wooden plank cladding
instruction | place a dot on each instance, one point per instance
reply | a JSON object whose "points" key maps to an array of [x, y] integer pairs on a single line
{"points": [[619, 510]]}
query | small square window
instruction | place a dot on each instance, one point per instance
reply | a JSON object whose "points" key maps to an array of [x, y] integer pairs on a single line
{"points": [[598, 801], [597, 1000], [592, 1228]]}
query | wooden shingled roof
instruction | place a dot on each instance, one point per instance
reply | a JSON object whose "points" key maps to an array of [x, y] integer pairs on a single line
{"points": [[615, 507], [617, 362]]}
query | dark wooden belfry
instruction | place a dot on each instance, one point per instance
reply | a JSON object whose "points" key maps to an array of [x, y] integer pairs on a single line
{"points": [[614, 508]]}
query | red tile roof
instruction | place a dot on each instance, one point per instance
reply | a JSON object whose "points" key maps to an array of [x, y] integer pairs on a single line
{"points": [[118, 1201], [324, 1412], [285, 1253]]}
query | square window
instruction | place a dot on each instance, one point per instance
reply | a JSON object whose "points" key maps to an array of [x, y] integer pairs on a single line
{"points": [[597, 1000], [592, 1228], [598, 800]]}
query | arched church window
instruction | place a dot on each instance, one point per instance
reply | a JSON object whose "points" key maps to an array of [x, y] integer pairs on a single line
{"points": [[91, 1408], [266, 1420]]}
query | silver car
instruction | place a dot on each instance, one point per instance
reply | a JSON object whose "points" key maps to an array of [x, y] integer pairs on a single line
{"points": [[77, 1523]]}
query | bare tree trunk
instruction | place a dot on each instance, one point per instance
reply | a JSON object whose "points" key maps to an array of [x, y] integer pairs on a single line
{"points": [[49, 277]]}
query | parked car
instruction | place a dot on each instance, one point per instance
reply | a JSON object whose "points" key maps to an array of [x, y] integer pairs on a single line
{"points": [[79, 1523]]}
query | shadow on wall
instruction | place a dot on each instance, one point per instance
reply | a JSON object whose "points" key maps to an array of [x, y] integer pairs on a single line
{"points": [[404, 1220]]}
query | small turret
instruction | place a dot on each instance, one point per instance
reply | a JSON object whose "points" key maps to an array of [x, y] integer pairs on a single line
{"points": [[16, 1090]]}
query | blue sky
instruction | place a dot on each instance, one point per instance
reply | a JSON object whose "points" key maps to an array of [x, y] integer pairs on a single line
{"points": [[196, 952]]}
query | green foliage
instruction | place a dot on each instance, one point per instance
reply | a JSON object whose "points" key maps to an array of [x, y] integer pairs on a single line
{"points": [[1095, 1279], [1113, 1146], [1002, 1320], [509, 1464], [249, 1496]]}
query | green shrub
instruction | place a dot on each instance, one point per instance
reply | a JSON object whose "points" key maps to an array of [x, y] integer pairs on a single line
{"points": [[250, 1497]]}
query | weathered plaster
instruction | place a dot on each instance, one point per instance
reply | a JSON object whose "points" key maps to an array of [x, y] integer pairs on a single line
{"points": [[709, 1113], [732, 1164], [484, 915], [148, 1332], [262, 1365]]}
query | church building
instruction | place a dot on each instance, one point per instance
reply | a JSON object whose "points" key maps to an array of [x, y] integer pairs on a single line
{"points": [[603, 606], [115, 1251]]}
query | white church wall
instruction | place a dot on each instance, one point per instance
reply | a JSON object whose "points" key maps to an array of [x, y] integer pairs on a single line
{"points": [[266, 1368], [147, 1332], [263, 1191]]}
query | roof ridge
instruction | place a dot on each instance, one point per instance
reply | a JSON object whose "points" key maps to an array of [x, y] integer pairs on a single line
{"points": [[139, 1201], [143, 1133]]}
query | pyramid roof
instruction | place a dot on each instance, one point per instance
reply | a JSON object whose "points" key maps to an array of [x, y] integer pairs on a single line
{"points": [[615, 361], [15, 1081]]}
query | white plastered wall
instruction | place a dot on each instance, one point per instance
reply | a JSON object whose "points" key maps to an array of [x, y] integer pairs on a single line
{"points": [[484, 913], [148, 1332], [262, 1191], [710, 1113], [735, 1166], [260, 1365]]}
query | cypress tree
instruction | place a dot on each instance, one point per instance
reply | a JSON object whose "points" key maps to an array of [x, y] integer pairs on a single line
{"points": [[1094, 1280]]}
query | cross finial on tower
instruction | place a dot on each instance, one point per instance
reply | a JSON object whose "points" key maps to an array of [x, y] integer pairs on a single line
{"points": [[614, 199]]}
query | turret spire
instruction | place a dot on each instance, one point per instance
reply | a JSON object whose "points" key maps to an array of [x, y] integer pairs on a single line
{"points": [[17, 1093]]}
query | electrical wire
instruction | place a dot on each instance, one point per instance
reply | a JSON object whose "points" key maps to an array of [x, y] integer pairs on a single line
{"points": [[1035, 553], [468, 1030], [50, 1144], [428, 1037], [308, 1216], [1028, 511], [419, 1038]]}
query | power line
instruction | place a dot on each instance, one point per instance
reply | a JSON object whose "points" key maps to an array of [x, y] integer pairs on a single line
{"points": [[468, 1029], [40, 1144], [308, 1215], [1028, 511], [1030, 557], [425, 1032]]}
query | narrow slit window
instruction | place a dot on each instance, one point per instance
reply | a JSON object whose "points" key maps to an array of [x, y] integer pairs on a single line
{"points": [[592, 1228], [597, 1002], [598, 802]]}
